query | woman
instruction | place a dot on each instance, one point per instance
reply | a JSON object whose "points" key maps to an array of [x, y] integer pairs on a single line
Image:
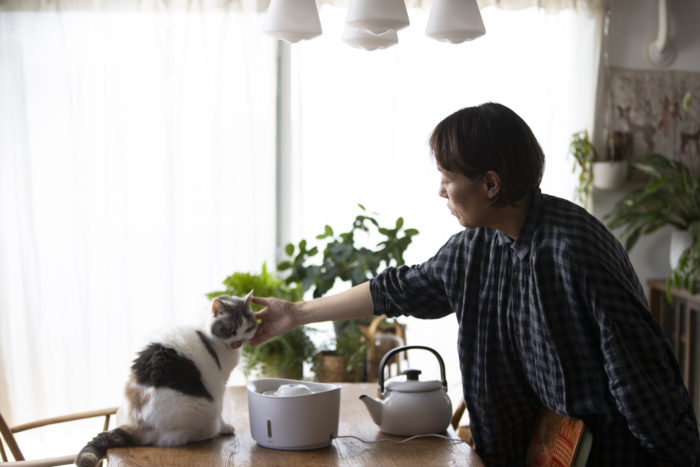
{"points": [[549, 308]]}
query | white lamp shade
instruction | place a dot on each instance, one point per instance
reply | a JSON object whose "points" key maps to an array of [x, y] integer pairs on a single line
{"points": [[377, 16], [365, 40], [292, 20], [455, 21]]}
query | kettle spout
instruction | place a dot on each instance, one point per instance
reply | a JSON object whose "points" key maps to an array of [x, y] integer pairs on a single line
{"points": [[375, 407]]}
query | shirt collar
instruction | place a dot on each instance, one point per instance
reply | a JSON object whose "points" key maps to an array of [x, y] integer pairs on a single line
{"points": [[521, 245]]}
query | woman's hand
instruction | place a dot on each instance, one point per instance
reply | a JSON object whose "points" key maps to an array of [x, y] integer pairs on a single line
{"points": [[275, 319], [280, 316]]}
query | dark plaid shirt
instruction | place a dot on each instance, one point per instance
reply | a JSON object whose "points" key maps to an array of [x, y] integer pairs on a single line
{"points": [[555, 317]]}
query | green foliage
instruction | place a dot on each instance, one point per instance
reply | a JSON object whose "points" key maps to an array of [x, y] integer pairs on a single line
{"points": [[265, 284], [687, 273], [687, 101], [344, 259], [351, 342], [294, 347], [670, 197], [583, 152]]}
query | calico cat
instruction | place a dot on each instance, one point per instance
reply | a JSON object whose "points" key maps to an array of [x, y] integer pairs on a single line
{"points": [[174, 394]]}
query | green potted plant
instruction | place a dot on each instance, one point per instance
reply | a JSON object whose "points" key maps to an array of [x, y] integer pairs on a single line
{"points": [[605, 173], [671, 197], [583, 152], [344, 258], [282, 356], [611, 172], [342, 359]]}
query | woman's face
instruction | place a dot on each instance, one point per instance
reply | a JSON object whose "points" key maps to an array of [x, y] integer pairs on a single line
{"points": [[468, 201]]}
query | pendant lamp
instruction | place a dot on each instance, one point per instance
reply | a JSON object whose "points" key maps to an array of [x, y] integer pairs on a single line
{"points": [[292, 20], [377, 16], [365, 40], [455, 21]]}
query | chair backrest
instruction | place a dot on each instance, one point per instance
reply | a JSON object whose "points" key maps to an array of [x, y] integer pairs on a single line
{"points": [[558, 440], [464, 432], [381, 341], [7, 435], [8, 439]]}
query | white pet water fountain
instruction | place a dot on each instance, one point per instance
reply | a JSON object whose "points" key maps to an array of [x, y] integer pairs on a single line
{"points": [[293, 415]]}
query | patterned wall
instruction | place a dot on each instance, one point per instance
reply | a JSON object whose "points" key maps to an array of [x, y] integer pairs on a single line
{"points": [[660, 109]]}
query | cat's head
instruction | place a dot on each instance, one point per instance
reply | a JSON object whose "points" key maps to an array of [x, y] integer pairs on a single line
{"points": [[233, 320]]}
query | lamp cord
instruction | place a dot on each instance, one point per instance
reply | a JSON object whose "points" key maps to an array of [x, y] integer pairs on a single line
{"points": [[435, 435]]}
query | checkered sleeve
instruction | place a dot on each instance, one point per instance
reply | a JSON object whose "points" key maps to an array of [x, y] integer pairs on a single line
{"points": [[419, 291]]}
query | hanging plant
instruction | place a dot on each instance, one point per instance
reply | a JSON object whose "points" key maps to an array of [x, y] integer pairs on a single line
{"points": [[583, 152]]}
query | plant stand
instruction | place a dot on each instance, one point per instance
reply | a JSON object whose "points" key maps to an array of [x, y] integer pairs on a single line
{"points": [[382, 339], [331, 368]]}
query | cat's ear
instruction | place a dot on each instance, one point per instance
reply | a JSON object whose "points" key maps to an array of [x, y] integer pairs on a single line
{"points": [[248, 297], [217, 307]]}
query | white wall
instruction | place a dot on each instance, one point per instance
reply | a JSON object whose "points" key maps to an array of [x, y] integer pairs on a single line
{"points": [[633, 25]]}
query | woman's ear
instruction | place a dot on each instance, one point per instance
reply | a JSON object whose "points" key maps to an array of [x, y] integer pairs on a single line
{"points": [[491, 182]]}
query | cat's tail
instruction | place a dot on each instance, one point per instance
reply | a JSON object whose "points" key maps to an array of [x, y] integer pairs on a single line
{"points": [[96, 450]]}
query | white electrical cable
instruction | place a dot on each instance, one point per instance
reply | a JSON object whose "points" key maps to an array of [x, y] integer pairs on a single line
{"points": [[453, 440]]}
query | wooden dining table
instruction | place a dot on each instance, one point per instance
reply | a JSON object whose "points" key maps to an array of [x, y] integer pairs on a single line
{"points": [[241, 449]]}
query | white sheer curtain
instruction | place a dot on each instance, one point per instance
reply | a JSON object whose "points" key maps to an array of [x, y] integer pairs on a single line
{"points": [[362, 120], [136, 172]]}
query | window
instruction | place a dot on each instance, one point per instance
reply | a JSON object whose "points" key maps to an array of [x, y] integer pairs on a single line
{"points": [[137, 162]]}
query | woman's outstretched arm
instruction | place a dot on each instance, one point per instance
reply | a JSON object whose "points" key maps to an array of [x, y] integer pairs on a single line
{"points": [[280, 316]]}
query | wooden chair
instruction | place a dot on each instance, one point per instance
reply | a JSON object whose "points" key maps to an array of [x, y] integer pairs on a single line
{"points": [[380, 341], [463, 431], [7, 438], [558, 440]]}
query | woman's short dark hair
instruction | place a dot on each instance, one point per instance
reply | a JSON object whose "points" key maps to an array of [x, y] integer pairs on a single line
{"points": [[487, 137]]}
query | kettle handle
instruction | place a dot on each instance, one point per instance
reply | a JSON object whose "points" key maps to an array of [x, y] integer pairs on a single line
{"points": [[389, 354]]}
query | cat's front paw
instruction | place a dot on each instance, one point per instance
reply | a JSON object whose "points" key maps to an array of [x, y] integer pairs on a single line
{"points": [[227, 429]]}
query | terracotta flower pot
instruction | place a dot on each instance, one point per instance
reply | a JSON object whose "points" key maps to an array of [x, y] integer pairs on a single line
{"points": [[333, 368]]}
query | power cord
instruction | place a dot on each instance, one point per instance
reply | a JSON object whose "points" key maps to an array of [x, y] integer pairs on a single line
{"points": [[435, 435]]}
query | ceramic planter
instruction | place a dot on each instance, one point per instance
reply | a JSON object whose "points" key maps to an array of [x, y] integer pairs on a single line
{"points": [[680, 241], [608, 175]]}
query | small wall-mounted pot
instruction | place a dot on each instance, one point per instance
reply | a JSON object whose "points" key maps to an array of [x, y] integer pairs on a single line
{"points": [[608, 175]]}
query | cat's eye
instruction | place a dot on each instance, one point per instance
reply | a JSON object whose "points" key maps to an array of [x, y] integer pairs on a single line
{"points": [[232, 331]]}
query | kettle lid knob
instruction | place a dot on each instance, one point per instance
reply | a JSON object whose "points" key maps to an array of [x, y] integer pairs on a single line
{"points": [[412, 375]]}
